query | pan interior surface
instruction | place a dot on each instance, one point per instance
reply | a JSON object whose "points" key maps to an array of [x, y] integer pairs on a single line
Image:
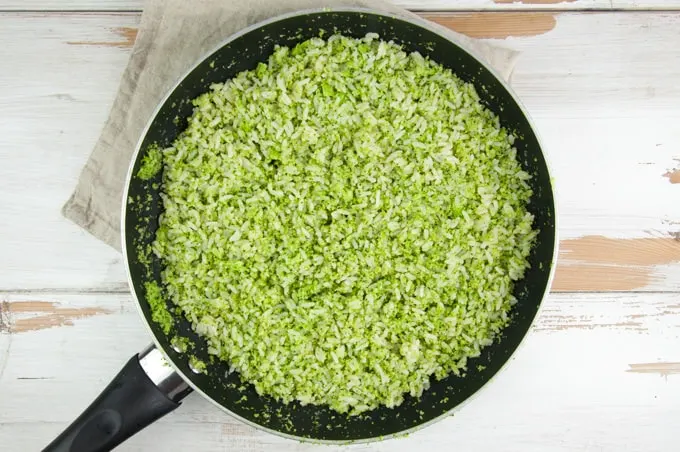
{"points": [[225, 387]]}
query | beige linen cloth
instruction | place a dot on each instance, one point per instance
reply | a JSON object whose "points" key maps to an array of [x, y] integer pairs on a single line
{"points": [[172, 36]]}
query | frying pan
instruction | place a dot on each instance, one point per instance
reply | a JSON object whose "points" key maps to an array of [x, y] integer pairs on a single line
{"points": [[154, 381]]}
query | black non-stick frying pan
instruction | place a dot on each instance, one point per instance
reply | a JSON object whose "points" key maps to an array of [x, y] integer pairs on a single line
{"points": [[153, 382]]}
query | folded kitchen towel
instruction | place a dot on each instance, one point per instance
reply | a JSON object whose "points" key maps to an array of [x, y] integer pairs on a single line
{"points": [[172, 36]]}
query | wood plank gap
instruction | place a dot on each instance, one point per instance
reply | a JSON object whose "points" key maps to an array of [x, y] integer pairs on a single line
{"points": [[114, 290], [653, 10]]}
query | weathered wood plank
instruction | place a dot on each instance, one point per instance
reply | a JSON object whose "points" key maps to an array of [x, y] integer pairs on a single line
{"points": [[598, 372], [601, 88]]}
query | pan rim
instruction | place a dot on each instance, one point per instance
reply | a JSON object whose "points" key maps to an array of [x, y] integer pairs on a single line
{"points": [[419, 22]]}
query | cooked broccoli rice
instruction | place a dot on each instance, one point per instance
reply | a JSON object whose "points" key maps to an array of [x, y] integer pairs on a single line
{"points": [[343, 223]]}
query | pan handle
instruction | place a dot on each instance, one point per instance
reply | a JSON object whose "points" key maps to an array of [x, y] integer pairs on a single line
{"points": [[146, 389]]}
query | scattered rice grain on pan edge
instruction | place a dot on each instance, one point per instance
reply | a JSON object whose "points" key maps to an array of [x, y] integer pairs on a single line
{"points": [[344, 222]]}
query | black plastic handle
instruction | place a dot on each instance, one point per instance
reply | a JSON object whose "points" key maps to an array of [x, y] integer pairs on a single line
{"points": [[128, 404]]}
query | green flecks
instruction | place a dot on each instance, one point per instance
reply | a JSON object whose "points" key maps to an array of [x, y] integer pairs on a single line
{"points": [[197, 365], [261, 69], [480, 367], [327, 89], [144, 255], [181, 344], [152, 162], [159, 310]]}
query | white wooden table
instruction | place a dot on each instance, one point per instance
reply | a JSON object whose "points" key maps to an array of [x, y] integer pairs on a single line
{"points": [[599, 372]]}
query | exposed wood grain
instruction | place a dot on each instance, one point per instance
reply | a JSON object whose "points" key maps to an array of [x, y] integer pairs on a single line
{"points": [[496, 25], [602, 278], [597, 263], [25, 316], [574, 375], [633, 252], [661, 368], [128, 35], [673, 176]]}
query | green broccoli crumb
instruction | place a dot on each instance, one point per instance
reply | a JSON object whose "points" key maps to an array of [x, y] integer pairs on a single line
{"points": [[144, 255], [182, 344], [159, 310], [152, 162], [197, 365]]}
